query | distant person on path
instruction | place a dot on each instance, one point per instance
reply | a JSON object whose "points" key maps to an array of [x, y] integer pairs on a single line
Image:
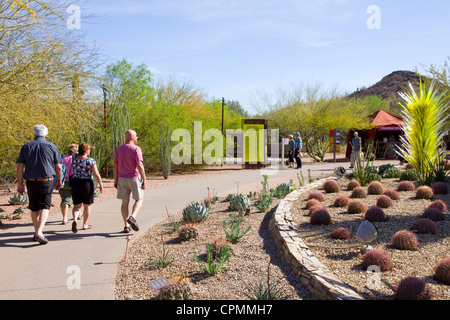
{"points": [[298, 150], [129, 178], [356, 150], [66, 191], [291, 150], [42, 162], [82, 185]]}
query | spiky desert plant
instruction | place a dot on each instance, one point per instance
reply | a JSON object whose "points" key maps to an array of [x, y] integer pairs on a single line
{"points": [[341, 234], [377, 257], [384, 202], [188, 232], [311, 203], [359, 193], [433, 214], [424, 121], [406, 186], [161, 261], [405, 240], [439, 187], [195, 212], [320, 217], [424, 226], [179, 289], [424, 192], [392, 194], [18, 199], [316, 195], [341, 201], [375, 188], [315, 208], [413, 288], [356, 206], [213, 266], [240, 203], [218, 246], [353, 184], [438, 204], [265, 198], [442, 271], [375, 214], [235, 229], [331, 186]]}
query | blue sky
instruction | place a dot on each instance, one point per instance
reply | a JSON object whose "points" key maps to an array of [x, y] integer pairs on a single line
{"points": [[233, 48]]}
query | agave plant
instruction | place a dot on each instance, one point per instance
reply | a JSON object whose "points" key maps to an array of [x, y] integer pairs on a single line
{"points": [[240, 203], [195, 212], [424, 116], [18, 199]]}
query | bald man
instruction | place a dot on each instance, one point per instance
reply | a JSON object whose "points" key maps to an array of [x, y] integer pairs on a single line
{"points": [[129, 179]]}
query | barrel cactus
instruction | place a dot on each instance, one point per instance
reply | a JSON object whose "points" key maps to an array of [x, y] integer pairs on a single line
{"points": [[320, 217], [375, 188], [438, 204], [413, 288], [188, 232], [359, 192], [353, 184], [384, 202], [406, 186], [240, 203], [195, 212], [433, 214], [375, 214], [442, 271], [424, 192], [405, 240], [424, 226], [377, 257], [341, 234], [331, 186]]}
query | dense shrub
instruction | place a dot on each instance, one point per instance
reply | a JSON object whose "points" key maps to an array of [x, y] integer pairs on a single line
{"points": [[341, 201], [409, 175], [442, 271], [316, 195], [375, 214], [439, 188], [413, 288], [406, 186], [359, 193], [424, 192], [377, 257], [356, 206], [438, 204], [424, 226], [405, 240], [353, 184], [433, 214], [392, 194], [320, 217], [331, 186], [341, 234], [375, 188], [384, 202]]}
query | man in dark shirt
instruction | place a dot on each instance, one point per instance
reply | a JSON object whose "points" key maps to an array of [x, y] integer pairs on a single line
{"points": [[42, 163]]}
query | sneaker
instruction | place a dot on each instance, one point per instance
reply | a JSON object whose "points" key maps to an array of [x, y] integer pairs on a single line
{"points": [[133, 223]]}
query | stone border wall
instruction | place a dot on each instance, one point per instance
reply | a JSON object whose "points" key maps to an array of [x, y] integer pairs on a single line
{"points": [[322, 283]]}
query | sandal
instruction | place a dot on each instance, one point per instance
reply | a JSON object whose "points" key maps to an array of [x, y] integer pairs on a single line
{"points": [[126, 230], [74, 227], [133, 223], [41, 239]]}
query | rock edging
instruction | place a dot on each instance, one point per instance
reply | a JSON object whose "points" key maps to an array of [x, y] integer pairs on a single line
{"points": [[322, 283]]}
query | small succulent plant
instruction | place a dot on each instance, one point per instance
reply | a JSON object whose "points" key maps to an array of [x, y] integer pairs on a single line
{"points": [[384, 202], [240, 203], [424, 226], [438, 204], [315, 208], [353, 184], [316, 195], [341, 234], [405, 240], [195, 212], [331, 186], [392, 194], [179, 289], [311, 203], [358, 193], [218, 246], [188, 232], [320, 217], [356, 206], [341, 201], [442, 271], [375, 214], [375, 188], [424, 192], [406, 186], [433, 214], [18, 199], [377, 257], [413, 288]]}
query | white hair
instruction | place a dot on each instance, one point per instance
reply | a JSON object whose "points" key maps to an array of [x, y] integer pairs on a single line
{"points": [[40, 131]]}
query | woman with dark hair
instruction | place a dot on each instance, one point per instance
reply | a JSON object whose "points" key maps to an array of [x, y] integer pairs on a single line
{"points": [[83, 188]]}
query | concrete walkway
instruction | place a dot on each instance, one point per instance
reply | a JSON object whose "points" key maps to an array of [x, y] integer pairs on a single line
{"points": [[83, 265]]}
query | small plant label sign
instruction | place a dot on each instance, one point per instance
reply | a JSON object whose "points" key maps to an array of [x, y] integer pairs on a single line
{"points": [[159, 284]]}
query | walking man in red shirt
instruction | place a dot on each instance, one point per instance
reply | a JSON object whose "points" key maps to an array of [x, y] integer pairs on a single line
{"points": [[129, 178]]}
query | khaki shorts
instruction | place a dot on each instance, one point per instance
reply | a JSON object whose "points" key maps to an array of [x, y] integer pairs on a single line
{"points": [[127, 187]]}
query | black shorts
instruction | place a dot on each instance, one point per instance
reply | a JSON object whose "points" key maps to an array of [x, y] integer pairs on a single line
{"points": [[40, 195], [82, 191]]}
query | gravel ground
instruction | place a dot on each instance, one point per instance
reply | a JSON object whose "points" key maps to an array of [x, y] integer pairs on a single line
{"points": [[345, 262], [248, 263]]}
